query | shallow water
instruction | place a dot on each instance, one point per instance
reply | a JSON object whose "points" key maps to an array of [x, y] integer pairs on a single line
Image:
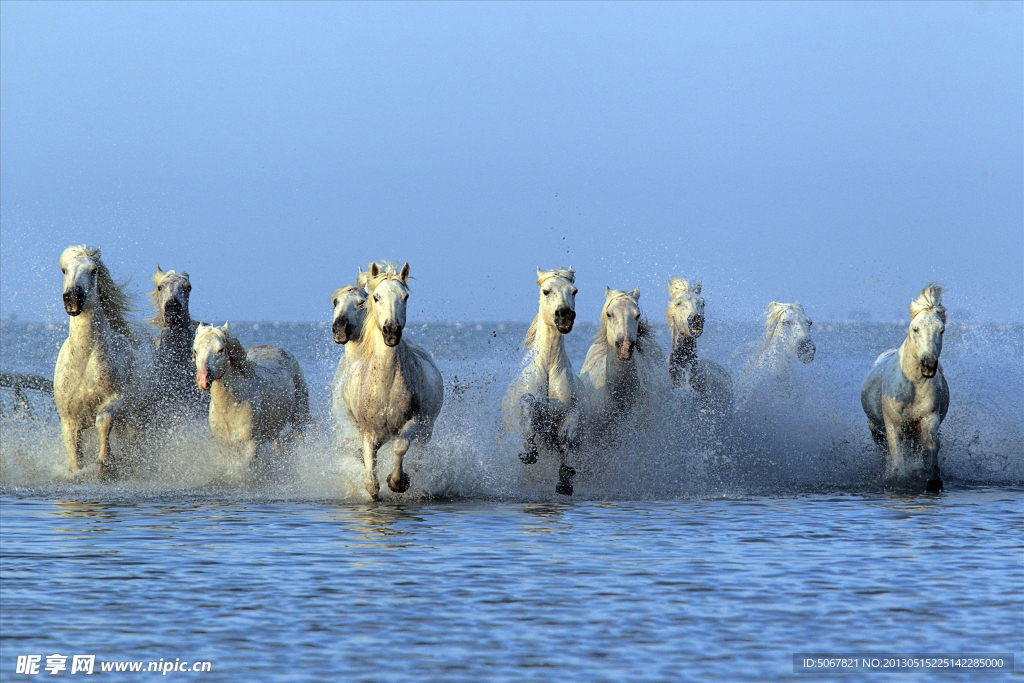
{"points": [[672, 590], [676, 558]]}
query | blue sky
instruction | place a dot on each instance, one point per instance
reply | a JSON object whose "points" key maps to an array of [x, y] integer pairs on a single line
{"points": [[839, 154]]}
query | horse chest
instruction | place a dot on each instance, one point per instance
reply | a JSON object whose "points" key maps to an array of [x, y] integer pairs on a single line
{"points": [[387, 398]]}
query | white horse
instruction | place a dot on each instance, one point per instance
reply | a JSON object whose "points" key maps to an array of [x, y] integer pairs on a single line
{"points": [[905, 396], [770, 363], [253, 395], [711, 383], [623, 374], [545, 401], [104, 370], [395, 390], [349, 305], [176, 396]]}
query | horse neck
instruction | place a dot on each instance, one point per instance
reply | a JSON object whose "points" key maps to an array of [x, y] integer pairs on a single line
{"points": [[234, 387], [88, 327], [175, 340], [910, 363], [387, 359], [549, 345], [620, 373], [683, 356]]}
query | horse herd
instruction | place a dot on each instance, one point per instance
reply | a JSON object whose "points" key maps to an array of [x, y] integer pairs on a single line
{"points": [[112, 374]]}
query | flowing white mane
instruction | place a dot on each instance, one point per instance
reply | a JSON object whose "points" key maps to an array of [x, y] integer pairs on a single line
{"points": [[679, 286], [929, 299], [113, 296], [542, 277], [347, 288]]}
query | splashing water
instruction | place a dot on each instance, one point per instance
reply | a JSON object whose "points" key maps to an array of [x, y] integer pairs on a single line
{"points": [[804, 433]]}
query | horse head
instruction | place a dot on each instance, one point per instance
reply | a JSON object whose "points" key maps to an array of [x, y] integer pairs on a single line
{"points": [[788, 329], [685, 312], [620, 321], [927, 325], [388, 292], [349, 312], [557, 298], [170, 295]]}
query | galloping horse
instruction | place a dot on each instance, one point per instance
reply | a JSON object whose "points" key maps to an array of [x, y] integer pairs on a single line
{"points": [[905, 395], [104, 370], [394, 391], [176, 395], [253, 395], [709, 380], [545, 401], [624, 371]]}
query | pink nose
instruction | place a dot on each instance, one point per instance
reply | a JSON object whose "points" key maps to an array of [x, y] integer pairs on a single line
{"points": [[625, 350], [203, 379]]}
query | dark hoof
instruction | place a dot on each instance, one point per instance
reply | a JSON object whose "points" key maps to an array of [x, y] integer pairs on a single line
{"points": [[565, 475], [529, 456], [401, 486], [934, 485], [107, 472]]}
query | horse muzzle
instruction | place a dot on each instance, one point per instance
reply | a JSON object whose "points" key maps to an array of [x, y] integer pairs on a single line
{"points": [[203, 379], [564, 319], [625, 349], [805, 351], [74, 301], [342, 331], [696, 325], [174, 312], [929, 366], [392, 334]]}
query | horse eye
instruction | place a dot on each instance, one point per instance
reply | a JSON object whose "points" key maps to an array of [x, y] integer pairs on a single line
{"points": [[942, 331], [376, 297], [334, 302], [64, 270], [575, 291], [917, 329], [609, 314], [546, 292], [405, 297]]}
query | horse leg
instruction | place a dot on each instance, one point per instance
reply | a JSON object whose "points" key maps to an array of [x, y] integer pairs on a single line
{"points": [[878, 435], [370, 463], [72, 434], [929, 440], [398, 480], [897, 448], [565, 473], [104, 425]]}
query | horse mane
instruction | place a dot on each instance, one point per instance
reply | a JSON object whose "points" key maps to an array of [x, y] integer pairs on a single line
{"points": [[774, 312], [387, 271], [113, 296], [542, 277], [154, 297], [929, 299], [678, 286], [341, 290]]}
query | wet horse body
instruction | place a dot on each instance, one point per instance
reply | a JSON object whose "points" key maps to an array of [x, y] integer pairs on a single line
{"points": [[546, 401], [103, 374], [905, 395]]}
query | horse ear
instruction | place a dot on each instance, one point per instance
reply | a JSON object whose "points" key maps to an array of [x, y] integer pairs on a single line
{"points": [[696, 290], [404, 275], [159, 270], [607, 291], [374, 270], [225, 328], [539, 273], [635, 294]]}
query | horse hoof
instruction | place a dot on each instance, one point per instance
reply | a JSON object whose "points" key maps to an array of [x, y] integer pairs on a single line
{"points": [[373, 489], [934, 485], [565, 475], [401, 486]]}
